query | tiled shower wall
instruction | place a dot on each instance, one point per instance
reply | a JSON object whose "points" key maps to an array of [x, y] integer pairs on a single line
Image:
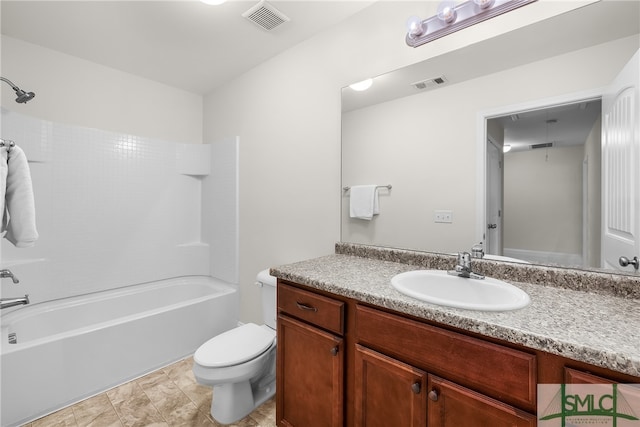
{"points": [[115, 209]]}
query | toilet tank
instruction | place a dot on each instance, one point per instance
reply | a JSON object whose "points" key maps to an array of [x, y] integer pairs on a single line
{"points": [[267, 284]]}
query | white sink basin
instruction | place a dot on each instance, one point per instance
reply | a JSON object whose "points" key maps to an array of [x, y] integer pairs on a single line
{"points": [[439, 287]]}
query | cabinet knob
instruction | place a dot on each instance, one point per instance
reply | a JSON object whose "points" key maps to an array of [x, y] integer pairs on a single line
{"points": [[433, 395], [415, 387], [334, 351]]}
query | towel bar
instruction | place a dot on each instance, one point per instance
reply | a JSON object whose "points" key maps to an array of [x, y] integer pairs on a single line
{"points": [[7, 144], [388, 187]]}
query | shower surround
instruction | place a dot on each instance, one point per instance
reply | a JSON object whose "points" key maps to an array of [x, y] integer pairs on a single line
{"points": [[116, 209]]}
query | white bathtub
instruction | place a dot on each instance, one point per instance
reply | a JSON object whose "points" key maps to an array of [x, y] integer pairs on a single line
{"points": [[74, 348]]}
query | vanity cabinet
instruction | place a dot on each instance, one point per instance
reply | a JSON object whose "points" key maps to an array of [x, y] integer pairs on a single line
{"points": [[344, 362], [310, 359]]}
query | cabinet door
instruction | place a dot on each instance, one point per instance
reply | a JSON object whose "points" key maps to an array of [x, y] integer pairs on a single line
{"points": [[388, 392], [451, 405], [573, 376], [310, 365]]}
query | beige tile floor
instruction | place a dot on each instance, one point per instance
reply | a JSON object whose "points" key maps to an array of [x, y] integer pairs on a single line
{"points": [[167, 397]]}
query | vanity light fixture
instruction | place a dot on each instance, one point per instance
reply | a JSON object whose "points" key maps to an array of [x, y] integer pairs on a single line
{"points": [[363, 85], [451, 18]]}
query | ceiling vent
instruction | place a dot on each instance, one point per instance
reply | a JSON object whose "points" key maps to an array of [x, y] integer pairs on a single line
{"points": [[543, 145], [424, 84], [265, 15]]}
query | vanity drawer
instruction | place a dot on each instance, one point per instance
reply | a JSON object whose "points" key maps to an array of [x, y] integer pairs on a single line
{"points": [[324, 312], [500, 372]]}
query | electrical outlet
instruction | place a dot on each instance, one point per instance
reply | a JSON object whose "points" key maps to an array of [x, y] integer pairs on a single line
{"points": [[443, 216]]}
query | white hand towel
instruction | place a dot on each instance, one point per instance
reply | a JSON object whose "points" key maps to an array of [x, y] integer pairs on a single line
{"points": [[3, 186], [19, 213], [363, 202]]}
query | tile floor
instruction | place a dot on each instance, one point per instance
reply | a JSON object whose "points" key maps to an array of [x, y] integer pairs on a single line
{"points": [[166, 397]]}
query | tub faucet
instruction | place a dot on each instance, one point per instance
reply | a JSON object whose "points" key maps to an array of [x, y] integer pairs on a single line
{"points": [[7, 273], [463, 268], [12, 302]]}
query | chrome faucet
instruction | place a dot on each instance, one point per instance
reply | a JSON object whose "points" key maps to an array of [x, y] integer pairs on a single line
{"points": [[463, 268], [12, 302], [7, 273]]}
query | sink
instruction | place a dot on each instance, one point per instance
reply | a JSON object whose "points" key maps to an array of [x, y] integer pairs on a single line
{"points": [[439, 287]]}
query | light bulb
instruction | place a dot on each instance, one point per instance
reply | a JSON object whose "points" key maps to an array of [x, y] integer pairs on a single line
{"points": [[483, 4], [447, 11], [363, 85], [506, 148], [415, 27]]}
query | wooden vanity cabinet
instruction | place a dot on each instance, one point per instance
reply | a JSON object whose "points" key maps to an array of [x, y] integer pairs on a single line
{"points": [[310, 359], [342, 362]]}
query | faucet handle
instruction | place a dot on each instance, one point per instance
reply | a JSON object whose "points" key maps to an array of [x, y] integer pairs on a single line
{"points": [[477, 251], [7, 273], [464, 259]]}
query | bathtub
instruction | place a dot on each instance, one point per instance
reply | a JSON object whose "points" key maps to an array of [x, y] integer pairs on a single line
{"points": [[73, 348]]}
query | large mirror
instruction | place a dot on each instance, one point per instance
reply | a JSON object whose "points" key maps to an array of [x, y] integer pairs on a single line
{"points": [[436, 133]]}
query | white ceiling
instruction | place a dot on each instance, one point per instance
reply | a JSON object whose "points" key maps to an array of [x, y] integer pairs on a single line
{"points": [[184, 44], [197, 47]]}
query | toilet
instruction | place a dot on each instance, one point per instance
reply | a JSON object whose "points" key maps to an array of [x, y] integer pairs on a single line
{"points": [[240, 364]]}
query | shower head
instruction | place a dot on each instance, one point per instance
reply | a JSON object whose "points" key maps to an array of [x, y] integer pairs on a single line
{"points": [[22, 96]]}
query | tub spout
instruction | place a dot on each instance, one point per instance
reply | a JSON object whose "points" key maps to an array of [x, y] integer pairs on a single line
{"points": [[7, 273], [12, 302]]}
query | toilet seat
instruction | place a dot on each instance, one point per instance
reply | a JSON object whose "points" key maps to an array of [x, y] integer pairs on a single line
{"points": [[235, 346]]}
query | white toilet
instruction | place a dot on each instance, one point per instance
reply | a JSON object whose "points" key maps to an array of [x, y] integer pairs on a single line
{"points": [[240, 364]]}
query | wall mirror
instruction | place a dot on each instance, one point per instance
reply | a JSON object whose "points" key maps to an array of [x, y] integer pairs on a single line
{"points": [[436, 132]]}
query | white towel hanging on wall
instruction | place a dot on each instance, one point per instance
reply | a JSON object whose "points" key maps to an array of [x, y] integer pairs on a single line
{"points": [[18, 207], [363, 202], [4, 170]]}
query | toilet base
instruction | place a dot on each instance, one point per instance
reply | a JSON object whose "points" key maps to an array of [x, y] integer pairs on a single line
{"points": [[232, 402]]}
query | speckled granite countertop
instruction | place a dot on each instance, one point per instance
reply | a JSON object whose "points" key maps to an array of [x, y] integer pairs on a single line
{"points": [[601, 329]]}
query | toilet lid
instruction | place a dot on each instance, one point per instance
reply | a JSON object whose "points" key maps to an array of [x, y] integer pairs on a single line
{"points": [[235, 346]]}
